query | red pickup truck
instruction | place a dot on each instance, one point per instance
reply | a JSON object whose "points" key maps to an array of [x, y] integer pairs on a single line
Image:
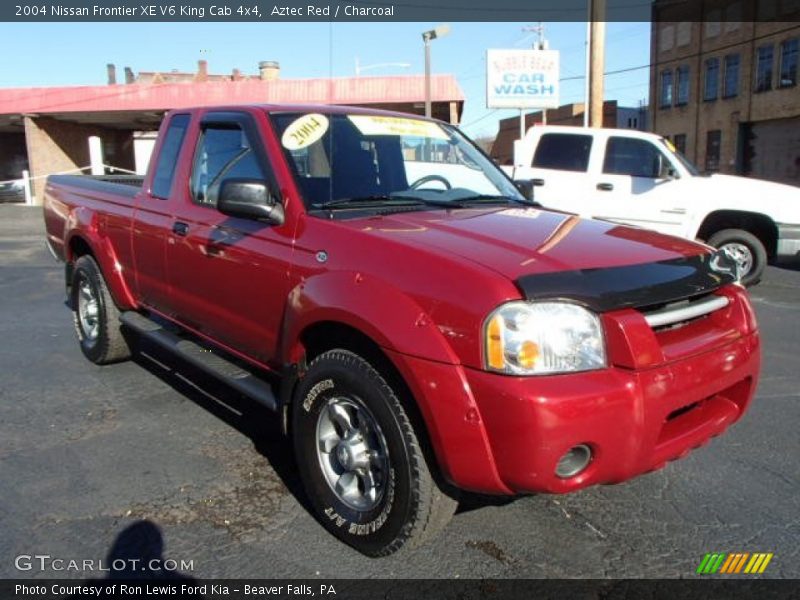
{"points": [[418, 322]]}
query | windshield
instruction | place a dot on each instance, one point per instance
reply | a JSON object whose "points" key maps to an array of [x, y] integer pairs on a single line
{"points": [[342, 160], [687, 164]]}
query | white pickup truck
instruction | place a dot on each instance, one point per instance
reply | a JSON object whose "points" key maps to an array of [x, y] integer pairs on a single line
{"points": [[639, 179]]}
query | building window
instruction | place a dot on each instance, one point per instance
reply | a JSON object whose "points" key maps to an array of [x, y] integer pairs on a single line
{"points": [[666, 89], [788, 63], [682, 86], [713, 143], [711, 91], [731, 88], [764, 60], [680, 142]]}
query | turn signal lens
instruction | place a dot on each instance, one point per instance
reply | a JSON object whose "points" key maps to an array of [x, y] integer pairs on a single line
{"points": [[494, 343]]}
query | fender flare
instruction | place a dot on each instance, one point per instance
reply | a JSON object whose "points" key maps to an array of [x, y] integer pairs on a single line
{"points": [[379, 310], [88, 226]]}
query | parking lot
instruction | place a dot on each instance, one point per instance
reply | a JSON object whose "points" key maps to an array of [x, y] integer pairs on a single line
{"points": [[87, 451]]}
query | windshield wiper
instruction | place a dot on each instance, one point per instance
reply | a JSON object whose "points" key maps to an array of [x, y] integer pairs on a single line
{"points": [[490, 199], [368, 201]]}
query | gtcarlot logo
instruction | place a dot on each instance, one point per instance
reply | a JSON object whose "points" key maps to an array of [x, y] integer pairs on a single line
{"points": [[46, 562], [734, 563]]}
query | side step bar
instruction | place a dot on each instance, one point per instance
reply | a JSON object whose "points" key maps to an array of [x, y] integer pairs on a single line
{"points": [[232, 374]]}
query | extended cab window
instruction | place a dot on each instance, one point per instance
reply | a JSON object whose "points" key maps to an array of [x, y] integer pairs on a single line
{"points": [[633, 157], [168, 156], [563, 152], [222, 153]]}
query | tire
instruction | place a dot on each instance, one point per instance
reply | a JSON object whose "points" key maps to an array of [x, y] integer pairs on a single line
{"points": [[386, 501], [746, 248], [95, 315]]}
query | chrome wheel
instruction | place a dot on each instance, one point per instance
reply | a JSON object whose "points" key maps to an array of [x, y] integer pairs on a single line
{"points": [[352, 452], [742, 254], [88, 310]]}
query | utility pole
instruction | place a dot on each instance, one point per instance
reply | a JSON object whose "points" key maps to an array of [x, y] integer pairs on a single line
{"points": [[597, 45], [540, 44]]}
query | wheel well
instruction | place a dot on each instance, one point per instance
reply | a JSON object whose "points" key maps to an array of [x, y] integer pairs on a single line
{"points": [[77, 247], [758, 224]]}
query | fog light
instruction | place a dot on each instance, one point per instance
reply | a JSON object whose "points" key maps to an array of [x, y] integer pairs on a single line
{"points": [[574, 461]]}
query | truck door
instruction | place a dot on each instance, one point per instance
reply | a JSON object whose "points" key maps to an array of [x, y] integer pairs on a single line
{"points": [[229, 275], [637, 185], [153, 218], [560, 171]]}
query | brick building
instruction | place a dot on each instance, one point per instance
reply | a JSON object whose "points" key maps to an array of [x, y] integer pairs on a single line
{"points": [[48, 128], [724, 84]]}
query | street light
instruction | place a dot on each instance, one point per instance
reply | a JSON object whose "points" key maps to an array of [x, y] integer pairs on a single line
{"points": [[361, 68], [440, 31]]}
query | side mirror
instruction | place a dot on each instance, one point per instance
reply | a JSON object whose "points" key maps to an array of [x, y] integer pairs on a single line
{"points": [[525, 187], [249, 199]]}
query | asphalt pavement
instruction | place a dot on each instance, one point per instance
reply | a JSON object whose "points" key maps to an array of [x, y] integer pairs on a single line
{"points": [[152, 458]]}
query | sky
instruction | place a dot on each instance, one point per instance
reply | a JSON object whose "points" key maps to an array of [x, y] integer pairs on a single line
{"points": [[56, 54]]}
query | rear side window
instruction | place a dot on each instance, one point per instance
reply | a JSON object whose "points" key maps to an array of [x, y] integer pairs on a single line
{"points": [[223, 153], [563, 152], [168, 156], [636, 158]]}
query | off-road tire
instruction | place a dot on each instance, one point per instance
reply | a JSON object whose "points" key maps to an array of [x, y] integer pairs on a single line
{"points": [[413, 509], [109, 345]]}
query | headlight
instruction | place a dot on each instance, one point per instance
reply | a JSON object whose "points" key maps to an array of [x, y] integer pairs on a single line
{"points": [[536, 338]]}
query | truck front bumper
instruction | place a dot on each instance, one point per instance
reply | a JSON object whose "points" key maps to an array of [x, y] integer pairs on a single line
{"points": [[788, 241], [633, 422], [502, 434]]}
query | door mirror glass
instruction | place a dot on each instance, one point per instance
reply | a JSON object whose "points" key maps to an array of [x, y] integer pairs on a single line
{"points": [[249, 199]]}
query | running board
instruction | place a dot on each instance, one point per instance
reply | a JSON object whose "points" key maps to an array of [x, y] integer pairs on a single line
{"points": [[232, 374]]}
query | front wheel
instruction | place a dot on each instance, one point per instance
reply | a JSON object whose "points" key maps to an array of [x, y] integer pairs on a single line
{"points": [[95, 315], [746, 249], [360, 460]]}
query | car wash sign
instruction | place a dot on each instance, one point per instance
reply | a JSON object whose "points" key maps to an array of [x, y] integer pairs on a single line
{"points": [[522, 79]]}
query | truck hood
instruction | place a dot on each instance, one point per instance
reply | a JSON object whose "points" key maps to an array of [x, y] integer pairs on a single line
{"points": [[520, 241], [776, 200]]}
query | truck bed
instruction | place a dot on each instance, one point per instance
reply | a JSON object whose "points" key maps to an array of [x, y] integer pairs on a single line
{"points": [[125, 185]]}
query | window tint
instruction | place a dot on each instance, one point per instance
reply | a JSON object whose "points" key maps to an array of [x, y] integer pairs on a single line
{"points": [[788, 63], [223, 153], [764, 68], [563, 151], [683, 86], [731, 88], [168, 156], [712, 79], [666, 89], [637, 158]]}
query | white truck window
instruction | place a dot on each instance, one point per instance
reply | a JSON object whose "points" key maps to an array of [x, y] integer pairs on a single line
{"points": [[563, 152], [633, 157]]}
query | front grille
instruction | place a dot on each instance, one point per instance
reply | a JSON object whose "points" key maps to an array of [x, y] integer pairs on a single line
{"points": [[678, 314]]}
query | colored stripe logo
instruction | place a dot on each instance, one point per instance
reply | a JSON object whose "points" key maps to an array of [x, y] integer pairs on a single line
{"points": [[734, 563]]}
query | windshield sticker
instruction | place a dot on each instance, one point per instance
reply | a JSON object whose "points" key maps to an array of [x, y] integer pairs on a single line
{"points": [[378, 125], [304, 131]]}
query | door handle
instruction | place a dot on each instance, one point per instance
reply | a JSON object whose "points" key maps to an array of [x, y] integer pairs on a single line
{"points": [[605, 187], [537, 182], [179, 228]]}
